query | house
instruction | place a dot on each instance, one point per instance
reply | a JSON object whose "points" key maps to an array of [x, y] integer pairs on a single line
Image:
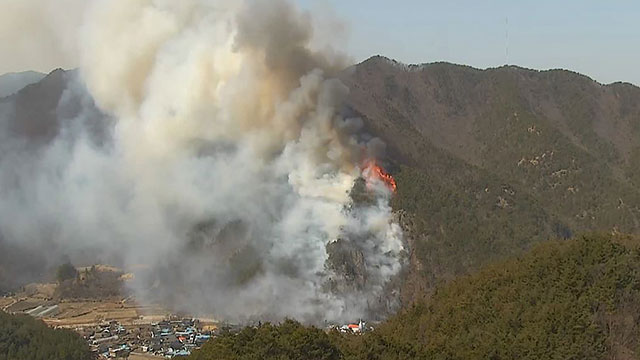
{"points": [[103, 349], [181, 353], [105, 339], [355, 328], [119, 353], [201, 339], [154, 347], [176, 345]]}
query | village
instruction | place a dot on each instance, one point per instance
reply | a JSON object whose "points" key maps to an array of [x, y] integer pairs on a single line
{"points": [[117, 326], [174, 337], [171, 338], [124, 329]]}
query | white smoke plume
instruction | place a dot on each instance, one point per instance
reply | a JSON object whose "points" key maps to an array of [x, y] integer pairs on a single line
{"points": [[39, 35], [227, 167]]}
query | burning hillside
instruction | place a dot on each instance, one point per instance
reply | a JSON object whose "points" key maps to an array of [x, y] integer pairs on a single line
{"points": [[225, 161], [374, 173]]}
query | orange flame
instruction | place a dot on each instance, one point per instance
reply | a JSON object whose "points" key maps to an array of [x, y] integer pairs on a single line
{"points": [[373, 171]]}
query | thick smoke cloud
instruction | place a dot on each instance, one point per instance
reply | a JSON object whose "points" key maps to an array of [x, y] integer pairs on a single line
{"points": [[225, 169], [39, 35]]}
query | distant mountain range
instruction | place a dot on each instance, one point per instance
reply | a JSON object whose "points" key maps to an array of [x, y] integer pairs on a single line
{"points": [[11, 83]]}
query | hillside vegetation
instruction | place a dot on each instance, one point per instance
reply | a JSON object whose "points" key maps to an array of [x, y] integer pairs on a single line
{"points": [[23, 337], [288, 340], [487, 162], [490, 162], [574, 299], [565, 299], [90, 283]]}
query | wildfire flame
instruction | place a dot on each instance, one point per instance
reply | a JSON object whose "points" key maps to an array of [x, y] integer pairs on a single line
{"points": [[374, 172]]}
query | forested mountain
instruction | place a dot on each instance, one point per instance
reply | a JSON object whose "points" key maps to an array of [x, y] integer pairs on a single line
{"points": [[30, 118], [289, 340], [488, 163], [23, 337], [565, 299], [571, 299], [491, 161]]}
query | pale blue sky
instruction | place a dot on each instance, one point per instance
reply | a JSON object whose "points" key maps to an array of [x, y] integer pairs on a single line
{"points": [[600, 39]]}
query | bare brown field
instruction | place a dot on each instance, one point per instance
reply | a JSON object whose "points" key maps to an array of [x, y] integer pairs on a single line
{"points": [[84, 313], [5, 301], [25, 304], [80, 313], [73, 314], [139, 356]]}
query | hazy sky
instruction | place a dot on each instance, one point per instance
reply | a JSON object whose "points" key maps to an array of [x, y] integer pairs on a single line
{"points": [[594, 37], [598, 38]]}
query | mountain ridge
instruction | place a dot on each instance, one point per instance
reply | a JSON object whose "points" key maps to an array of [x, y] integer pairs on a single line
{"points": [[417, 66], [489, 162], [12, 82]]}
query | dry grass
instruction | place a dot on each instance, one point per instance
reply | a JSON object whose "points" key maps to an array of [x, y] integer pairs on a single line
{"points": [[74, 314], [25, 304], [88, 313], [4, 301], [138, 356]]}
